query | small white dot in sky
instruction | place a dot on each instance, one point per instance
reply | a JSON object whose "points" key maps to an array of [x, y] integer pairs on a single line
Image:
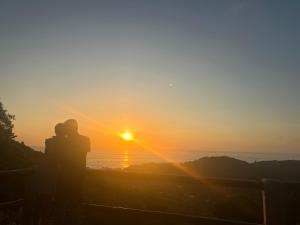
{"points": [[171, 84]]}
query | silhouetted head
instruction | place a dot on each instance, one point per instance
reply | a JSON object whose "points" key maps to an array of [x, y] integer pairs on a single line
{"points": [[60, 129], [71, 127]]}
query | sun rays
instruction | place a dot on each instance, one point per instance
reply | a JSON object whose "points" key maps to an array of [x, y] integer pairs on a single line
{"points": [[127, 136]]}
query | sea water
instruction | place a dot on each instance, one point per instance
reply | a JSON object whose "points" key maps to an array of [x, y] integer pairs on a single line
{"points": [[121, 159]]}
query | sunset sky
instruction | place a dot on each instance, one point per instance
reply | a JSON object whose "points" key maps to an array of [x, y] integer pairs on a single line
{"points": [[188, 74]]}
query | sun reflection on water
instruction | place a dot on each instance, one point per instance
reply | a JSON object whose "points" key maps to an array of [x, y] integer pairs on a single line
{"points": [[125, 159]]}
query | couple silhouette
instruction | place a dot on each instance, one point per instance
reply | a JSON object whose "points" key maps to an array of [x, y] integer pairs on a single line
{"points": [[59, 178]]}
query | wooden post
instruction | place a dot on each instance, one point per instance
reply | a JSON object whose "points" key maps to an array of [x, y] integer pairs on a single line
{"points": [[274, 202]]}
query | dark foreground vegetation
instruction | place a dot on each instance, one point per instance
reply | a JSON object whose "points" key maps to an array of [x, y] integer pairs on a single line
{"points": [[13, 154]]}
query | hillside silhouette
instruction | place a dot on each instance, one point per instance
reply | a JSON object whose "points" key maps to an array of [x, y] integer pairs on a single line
{"points": [[227, 167]]}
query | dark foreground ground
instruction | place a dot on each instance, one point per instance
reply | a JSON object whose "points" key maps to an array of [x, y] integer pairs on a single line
{"points": [[192, 199]]}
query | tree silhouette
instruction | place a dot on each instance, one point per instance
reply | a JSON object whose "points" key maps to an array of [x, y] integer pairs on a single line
{"points": [[6, 126]]}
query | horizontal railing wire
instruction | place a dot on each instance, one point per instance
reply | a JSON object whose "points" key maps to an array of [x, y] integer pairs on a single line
{"points": [[11, 204], [162, 216]]}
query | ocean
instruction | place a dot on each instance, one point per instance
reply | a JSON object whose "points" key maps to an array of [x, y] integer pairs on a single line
{"points": [[122, 159]]}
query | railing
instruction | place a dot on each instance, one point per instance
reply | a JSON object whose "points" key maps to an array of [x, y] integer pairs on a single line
{"points": [[275, 202]]}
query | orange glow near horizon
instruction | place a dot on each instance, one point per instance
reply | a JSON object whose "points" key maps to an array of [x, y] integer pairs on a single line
{"points": [[128, 137], [105, 131]]}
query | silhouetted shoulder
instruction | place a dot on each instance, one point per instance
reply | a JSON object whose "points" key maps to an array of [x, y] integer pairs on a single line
{"points": [[49, 145], [49, 142], [84, 138], [54, 144], [86, 142]]}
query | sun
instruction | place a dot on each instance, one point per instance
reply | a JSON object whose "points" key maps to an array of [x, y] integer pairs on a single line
{"points": [[127, 136]]}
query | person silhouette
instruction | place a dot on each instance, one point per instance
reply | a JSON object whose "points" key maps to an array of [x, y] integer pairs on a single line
{"points": [[42, 188], [54, 148], [72, 173], [78, 146]]}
